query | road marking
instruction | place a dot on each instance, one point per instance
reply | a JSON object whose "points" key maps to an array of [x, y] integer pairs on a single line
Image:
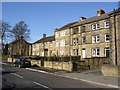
{"points": [[4, 63], [108, 85], [17, 75], [42, 85], [37, 70], [3, 69]]}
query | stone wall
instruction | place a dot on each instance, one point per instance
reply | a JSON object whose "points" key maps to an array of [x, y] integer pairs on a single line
{"points": [[36, 62], [10, 60], [110, 70], [94, 62], [68, 66], [59, 65]]}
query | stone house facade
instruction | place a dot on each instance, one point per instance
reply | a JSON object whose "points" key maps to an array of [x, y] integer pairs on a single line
{"points": [[18, 47], [115, 36], [92, 36], [86, 38], [95, 37], [44, 46]]}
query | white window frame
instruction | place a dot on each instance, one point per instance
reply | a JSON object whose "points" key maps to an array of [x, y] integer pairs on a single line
{"points": [[106, 24], [75, 41], [94, 27], [83, 39], [75, 53], [56, 34], [62, 52], [43, 45], [97, 38], [97, 26], [62, 42], [107, 37], [95, 52], [50, 44], [57, 43], [93, 39], [62, 33]]}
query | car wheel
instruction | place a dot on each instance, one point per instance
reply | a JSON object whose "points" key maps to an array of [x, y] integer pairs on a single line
{"points": [[19, 66]]}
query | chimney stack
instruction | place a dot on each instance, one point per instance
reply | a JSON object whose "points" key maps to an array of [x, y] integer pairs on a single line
{"points": [[82, 18], [44, 35], [100, 12]]}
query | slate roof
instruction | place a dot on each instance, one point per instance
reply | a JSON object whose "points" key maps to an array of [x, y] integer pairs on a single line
{"points": [[47, 39], [95, 18], [18, 40], [66, 26], [92, 19]]}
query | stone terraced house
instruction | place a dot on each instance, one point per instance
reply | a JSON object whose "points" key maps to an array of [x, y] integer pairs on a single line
{"points": [[87, 37], [95, 37], [90, 37], [44, 46]]}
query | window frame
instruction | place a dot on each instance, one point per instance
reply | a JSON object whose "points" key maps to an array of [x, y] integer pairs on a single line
{"points": [[75, 30], [84, 40], [107, 37], [57, 43], [107, 48], [106, 24]]}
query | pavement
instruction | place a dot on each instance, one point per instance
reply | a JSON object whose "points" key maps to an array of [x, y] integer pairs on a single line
{"points": [[92, 76]]}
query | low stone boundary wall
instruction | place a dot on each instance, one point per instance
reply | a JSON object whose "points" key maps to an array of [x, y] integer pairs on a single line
{"points": [[36, 62], [110, 70], [68, 66], [96, 62], [10, 60]]}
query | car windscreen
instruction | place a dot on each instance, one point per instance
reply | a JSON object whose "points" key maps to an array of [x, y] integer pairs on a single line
{"points": [[25, 60]]}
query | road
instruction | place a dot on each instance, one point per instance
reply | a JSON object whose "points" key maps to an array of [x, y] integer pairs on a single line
{"points": [[14, 77]]}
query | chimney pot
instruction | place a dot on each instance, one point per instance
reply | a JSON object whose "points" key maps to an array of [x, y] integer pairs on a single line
{"points": [[100, 12], [82, 18], [44, 35]]}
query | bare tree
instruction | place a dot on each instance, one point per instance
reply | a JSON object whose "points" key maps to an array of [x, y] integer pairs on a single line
{"points": [[21, 30], [5, 32]]}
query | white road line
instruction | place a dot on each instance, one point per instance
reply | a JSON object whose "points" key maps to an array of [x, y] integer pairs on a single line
{"points": [[3, 69], [17, 75], [107, 85], [42, 85], [37, 70], [4, 63]]}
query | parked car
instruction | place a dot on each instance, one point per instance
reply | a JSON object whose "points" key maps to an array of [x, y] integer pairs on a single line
{"points": [[22, 62]]}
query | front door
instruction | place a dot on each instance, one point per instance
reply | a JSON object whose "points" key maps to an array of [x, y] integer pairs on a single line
{"points": [[83, 53]]}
